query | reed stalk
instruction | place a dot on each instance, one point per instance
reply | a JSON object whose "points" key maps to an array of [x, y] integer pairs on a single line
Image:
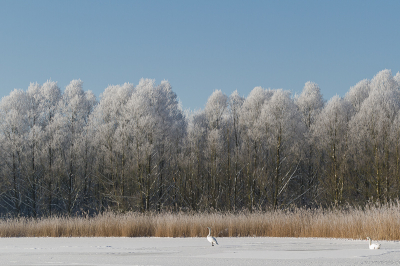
{"points": [[378, 222]]}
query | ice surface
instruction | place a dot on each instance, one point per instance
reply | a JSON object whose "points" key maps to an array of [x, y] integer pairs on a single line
{"points": [[195, 251]]}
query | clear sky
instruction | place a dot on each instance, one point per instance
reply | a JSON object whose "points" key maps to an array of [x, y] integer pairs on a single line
{"points": [[198, 46]]}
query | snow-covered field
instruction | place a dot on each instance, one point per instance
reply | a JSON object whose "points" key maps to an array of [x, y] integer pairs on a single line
{"points": [[195, 251]]}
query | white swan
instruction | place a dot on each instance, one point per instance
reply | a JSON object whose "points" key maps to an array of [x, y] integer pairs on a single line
{"points": [[210, 238], [373, 246]]}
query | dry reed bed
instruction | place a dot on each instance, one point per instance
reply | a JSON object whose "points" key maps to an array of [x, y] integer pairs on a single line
{"points": [[356, 223]]}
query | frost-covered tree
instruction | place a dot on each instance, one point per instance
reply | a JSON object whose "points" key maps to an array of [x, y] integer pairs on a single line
{"points": [[112, 138], [13, 111], [172, 125], [156, 121], [395, 155], [281, 121], [252, 139], [330, 133], [358, 94], [69, 122], [195, 143], [34, 110], [397, 78], [370, 131], [310, 104], [251, 110], [216, 110], [50, 97], [235, 105], [86, 152]]}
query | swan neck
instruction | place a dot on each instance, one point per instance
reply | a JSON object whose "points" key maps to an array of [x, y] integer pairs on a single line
{"points": [[209, 232]]}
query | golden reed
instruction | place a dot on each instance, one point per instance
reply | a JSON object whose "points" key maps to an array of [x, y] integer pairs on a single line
{"points": [[378, 222]]}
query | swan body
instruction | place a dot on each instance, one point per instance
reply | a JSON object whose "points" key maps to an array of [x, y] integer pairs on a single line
{"points": [[210, 238], [373, 246]]}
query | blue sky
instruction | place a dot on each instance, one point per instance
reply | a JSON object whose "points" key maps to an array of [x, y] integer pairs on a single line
{"points": [[198, 46]]}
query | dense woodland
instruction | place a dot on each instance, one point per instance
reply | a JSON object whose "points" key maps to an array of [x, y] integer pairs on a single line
{"points": [[67, 153]]}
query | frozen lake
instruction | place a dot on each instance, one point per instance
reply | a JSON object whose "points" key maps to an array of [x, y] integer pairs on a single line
{"points": [[195, 251]]}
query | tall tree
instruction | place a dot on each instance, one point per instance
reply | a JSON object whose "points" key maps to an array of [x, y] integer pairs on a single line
{"points": [[330, 132], [252, 141], [215, 110], [51, 95], [358, 94], [370, 130], [235, 105], [13, 111], [109, 126], [156, 121], [71, 120], [310, 104], [281, 121]]}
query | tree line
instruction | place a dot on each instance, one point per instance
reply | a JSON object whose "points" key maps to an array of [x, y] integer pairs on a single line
{"points": [[135, 149]]}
